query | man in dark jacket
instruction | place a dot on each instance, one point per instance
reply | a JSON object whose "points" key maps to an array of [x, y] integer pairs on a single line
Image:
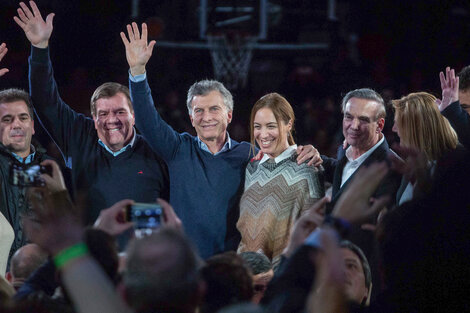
{"points": [[16, 131], [363, 121]]}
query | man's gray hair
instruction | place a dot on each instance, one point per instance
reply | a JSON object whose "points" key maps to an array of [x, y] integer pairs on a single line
{"points": [[203, 87], [257, 262], [369, 94]]}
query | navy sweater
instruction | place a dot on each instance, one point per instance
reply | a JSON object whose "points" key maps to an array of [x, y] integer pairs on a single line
{"points": [[98, 178], [205, 189]]}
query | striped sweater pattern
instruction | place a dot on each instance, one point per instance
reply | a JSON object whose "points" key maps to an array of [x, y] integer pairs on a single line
{"points": [[275, 196]]}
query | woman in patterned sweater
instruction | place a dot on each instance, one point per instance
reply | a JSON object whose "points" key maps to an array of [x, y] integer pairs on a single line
{"points": [[277, 189]]}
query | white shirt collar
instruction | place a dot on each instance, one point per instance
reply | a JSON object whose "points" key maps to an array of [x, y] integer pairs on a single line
{"points": [[365, 155], [284, 155], [352, 165]]}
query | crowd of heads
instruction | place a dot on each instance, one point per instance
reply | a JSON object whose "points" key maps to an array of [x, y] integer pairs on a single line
{"points": [[163, 273], [422, 244]]}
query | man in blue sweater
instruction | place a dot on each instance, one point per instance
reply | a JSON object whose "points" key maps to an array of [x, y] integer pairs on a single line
{"points": [[109, 161], [206, 171]]}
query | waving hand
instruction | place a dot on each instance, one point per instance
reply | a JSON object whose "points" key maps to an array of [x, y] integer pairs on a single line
{"points": [[138, 50], [450, 88], [35, 28]]}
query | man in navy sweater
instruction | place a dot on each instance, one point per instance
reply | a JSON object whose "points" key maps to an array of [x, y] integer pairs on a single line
{"points": [[206, 171], [109, 161]]}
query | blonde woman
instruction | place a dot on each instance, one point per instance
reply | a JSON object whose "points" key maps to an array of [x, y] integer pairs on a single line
{"points": [[420, 126]]}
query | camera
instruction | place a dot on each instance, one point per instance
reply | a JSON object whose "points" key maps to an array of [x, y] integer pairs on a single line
{"points": [[28, 175], [145, 216]]}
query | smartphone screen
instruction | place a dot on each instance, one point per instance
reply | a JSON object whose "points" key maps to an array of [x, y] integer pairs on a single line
{"points": [[27, 175], [145, 215]]}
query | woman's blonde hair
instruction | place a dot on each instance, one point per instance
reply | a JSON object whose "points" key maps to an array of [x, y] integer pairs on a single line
{"points": [[422, 126], [282, 111]]}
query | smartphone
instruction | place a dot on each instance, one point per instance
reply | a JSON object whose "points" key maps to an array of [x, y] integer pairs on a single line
{"points": [[28, 175], [144, 215]]}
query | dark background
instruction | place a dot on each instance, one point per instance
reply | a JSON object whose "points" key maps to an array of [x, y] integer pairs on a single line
{"points": [[395, 47]]}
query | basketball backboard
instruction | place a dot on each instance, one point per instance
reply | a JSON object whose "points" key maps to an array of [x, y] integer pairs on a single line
{"points": [[248, 17]]}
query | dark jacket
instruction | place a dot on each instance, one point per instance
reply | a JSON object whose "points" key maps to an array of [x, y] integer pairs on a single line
{"points": [[13, 198], [460, 121], [334, 172]]}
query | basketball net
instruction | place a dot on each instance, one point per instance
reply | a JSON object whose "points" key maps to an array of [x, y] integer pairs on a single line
{"points": [[231, 57]]}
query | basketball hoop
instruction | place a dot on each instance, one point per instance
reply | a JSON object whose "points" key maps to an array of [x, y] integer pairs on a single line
{"points": [[231, 57]]}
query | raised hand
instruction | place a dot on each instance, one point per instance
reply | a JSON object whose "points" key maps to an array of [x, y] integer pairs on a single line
{"points": [[138, 50], [450, 88], [35, 28], [3, 51]]}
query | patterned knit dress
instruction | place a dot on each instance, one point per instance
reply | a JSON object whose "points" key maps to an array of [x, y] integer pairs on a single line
{"points": [[275, 196]]}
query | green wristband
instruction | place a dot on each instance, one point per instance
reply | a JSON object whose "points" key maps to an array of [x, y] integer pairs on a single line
{"points": [[70, 253]]}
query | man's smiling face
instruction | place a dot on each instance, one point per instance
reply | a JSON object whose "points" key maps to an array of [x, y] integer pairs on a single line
{"points": [[114, 121], [210, 117]]}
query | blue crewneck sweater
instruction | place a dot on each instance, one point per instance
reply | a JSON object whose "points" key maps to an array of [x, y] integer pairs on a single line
{"points": [[205, 189]]}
